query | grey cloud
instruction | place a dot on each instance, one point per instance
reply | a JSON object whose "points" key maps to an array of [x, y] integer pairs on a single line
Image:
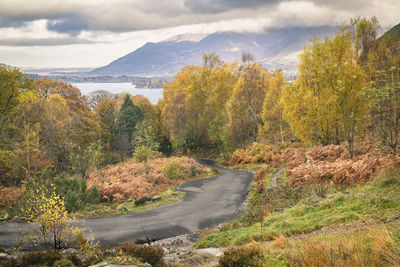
{"points": [[70, 25], [42, 41], [132, 15], [217, 6]]}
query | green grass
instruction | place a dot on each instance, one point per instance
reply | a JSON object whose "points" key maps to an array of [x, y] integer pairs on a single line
{"points": [[378, 201], [104, 209]]}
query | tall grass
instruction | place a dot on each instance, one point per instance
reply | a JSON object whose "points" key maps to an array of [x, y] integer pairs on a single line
{"points": [[373, 248]]}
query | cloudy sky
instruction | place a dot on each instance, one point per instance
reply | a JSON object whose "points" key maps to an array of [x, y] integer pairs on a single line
{"points": [[90, 33]]}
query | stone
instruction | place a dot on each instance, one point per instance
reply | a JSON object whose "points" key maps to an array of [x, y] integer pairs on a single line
{"points": [[19, 219], [121, 207], [156, 198], [142, 200], [68, 252], [145, 265]]}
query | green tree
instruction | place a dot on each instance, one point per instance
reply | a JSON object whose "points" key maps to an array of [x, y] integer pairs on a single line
{"points": [[129, 116]]}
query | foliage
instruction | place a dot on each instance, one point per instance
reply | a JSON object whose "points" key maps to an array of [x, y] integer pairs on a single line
{"points": [[75, 192], [245, 104], [129, 180], [249, 255], [325, 104], [275, 128], [173, 170], [129, 116], [84, 160], [385, 102], [50, 221], [150, 254]]}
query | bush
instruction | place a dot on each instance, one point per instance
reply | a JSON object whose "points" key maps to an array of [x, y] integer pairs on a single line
{"points": [[193, 171], [387, 178], [249, 255], [173, 170], [50, 222], [149, 254], [41, 258], [75, 192], [64, 263], [111, 158]]}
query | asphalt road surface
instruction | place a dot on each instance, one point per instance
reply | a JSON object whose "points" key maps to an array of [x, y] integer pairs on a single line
{"points": [[208, 202]]}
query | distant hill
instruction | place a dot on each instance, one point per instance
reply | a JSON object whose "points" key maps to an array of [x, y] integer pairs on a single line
{"points": [[274, 48], [392, 34]]}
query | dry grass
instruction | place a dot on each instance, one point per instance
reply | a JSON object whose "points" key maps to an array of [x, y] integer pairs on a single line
{"points": [[131, 180], [280, 242], [9, 195], [321, 164], [373, 248]]}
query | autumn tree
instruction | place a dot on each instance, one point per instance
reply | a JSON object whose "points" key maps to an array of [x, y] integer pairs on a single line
{"points": [[326, 104], [275, 128], [245, 104]]}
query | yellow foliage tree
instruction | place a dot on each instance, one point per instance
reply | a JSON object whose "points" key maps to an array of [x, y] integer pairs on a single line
{"points": [[51, 224], [326, 103], [275, 128], [245, 104]]}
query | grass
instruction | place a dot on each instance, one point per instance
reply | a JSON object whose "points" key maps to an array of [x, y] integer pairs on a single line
{"points": [[378, 201]]}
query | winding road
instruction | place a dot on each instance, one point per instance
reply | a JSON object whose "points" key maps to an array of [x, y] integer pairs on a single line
{"points": [[208, 202]]}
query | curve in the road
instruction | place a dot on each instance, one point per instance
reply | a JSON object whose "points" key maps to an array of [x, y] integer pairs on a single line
{"points": [[208, 202]]}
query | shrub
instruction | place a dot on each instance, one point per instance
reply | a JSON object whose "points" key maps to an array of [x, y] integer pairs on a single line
{"points": [[111, 158], [193, 171], [387, 178], [173, 170], [75, 192], [249, 255], [41, 258], [63, 263], [51, 224], [144, 253]]}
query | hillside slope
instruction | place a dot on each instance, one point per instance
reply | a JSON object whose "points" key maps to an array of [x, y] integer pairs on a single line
{"points": [[170, 56]]}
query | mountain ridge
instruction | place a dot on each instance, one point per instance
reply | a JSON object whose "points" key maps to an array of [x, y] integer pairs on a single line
{"points": [[171, 55]]}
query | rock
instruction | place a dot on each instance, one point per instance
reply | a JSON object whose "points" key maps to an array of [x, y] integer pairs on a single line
{"points": [[142, 200], [101, 264], [7, 257], [6, 216], [19, 219], [106, 264], [156, 198], [144, 265], [68, 252], [121, 207], [3, 256]]}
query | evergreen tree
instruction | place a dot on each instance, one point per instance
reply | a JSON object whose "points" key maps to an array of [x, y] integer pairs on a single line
{"points": [[129, 116]]}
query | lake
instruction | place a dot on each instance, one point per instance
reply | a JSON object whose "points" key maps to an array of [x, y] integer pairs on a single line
{"points": [[152, 94]]}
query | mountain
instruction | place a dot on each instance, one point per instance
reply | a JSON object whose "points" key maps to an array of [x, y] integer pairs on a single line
{"points": [[392, 34], [274, 48]]}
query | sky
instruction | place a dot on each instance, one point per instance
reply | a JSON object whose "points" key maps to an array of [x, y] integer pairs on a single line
{"points": [[92, 33]]}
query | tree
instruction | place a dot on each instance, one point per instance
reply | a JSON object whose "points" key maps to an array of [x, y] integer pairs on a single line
{"points": [[107, 114], [95, 97], [129, 116], [51, 224], [326, 104], [274, 126], [385, 104], [245, 105], [84, 160]]}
